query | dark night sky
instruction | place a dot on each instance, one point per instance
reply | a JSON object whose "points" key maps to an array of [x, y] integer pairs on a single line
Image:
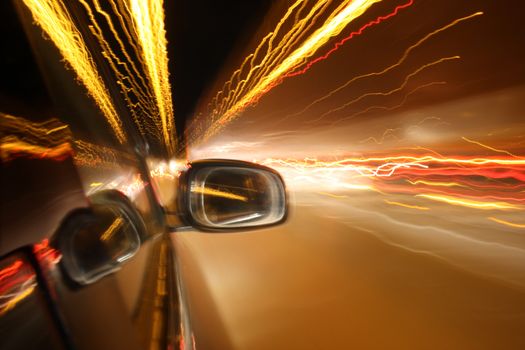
{"points": [[201, 37], [22, 89]]}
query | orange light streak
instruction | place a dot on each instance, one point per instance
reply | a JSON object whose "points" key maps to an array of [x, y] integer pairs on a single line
{"points": [[49, 132], [391, 161], [92, 155], [346, 13], [470, 203], [46, 255], [489, 148], [436, 183], [270, 58], [218, 193], [506, 223], [349, 37], [11, 147], [390, 132], [387, 133], [391, 108], [406, 205], [110, 231], [400, 61], [390, 174], [333, 195], [11, 269], [387, 93], [49, 139]]}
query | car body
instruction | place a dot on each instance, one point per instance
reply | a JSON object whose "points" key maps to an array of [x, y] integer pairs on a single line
{"points": [[344, 272], [98, 271], [86, 258]]}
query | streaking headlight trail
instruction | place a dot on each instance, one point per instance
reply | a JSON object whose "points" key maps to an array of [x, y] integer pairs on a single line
{"points": [[54, 19], [132, 41], [276, 68]]}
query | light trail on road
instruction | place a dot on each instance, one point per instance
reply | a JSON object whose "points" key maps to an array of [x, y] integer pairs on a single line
{"points": [[474, 182]]}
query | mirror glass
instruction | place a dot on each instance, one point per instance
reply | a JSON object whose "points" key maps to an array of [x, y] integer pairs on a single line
{"points": [[230, 197], [97, 243]]}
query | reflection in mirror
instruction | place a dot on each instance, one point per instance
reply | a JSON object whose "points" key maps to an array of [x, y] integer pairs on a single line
{"points": [[97, 243], [230, 197]]}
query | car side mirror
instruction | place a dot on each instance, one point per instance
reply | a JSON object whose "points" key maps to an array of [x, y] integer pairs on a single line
{"points": [[96, 242], [225, 195]]}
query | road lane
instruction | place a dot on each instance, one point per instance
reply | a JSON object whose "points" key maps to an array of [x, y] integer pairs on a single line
{"points": [[342, 274]]}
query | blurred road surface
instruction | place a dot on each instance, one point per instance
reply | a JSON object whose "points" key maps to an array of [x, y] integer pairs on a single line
{"points": [[346, 272]]}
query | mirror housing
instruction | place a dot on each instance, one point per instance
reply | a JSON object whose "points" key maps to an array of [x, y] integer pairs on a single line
{"points": [[228, 195]]}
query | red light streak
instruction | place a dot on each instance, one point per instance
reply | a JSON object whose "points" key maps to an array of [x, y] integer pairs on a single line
{"points": [[11, 148], [46, 254], [10, 270], [487, 183], [516, 174], [347, 38], [398, 63], [17, 281]]}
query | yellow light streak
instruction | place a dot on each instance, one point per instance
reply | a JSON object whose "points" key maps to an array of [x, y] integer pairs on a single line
{"points": [[115, 225], [332, 195], [392, 160], [148, 20], [92, 155], [53, 18], [5, 307], [390, 132], [506, 223], [269, 55], [291, 39], [11, 146], [488, 147], [470, 203], [129, 86], [58, 128], [145, 89], [426, 159], [49, 133], [218, 193], [387, 93], [436, 183], [387, 133], [400, 61], [344, 173], [406, 205], [391, 108], [342, 16]]}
